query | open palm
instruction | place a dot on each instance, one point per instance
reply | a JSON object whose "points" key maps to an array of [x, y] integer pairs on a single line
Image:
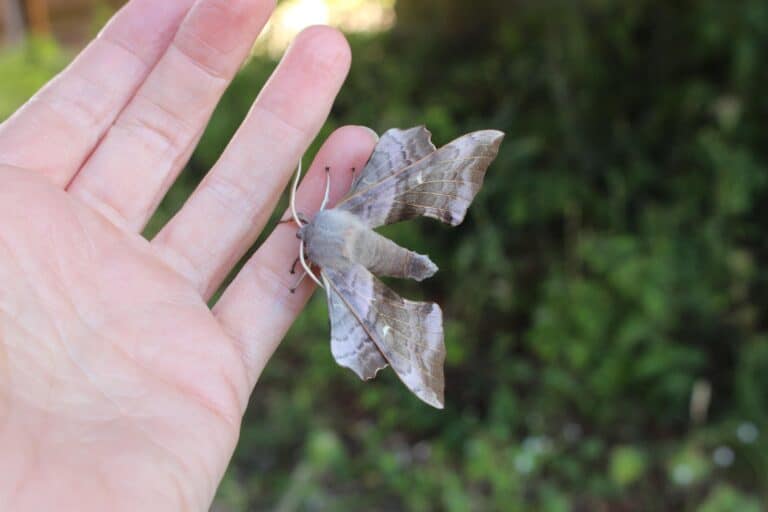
{"points": [[119, 387]]}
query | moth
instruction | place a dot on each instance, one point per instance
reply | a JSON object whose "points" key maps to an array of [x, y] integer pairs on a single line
{"points": [[372, 327]]}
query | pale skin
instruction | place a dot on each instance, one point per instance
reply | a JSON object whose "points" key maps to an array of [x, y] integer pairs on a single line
{"points": [[120, 389]]}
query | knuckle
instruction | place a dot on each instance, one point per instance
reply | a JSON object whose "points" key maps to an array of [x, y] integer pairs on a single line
{"points": [[78, 106], [276, 283], [213, 34], [231, 195], [155, 126], [205, 59], [277, 116]]}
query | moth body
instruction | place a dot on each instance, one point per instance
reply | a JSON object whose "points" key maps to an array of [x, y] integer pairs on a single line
{"points": [[337, 237]]}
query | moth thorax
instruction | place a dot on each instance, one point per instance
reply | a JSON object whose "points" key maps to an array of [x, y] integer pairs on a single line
{"points": [[329, 238]]}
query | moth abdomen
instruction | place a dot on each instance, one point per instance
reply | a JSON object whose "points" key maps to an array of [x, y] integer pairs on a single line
{"points": [[420, 267], [383, 257]]}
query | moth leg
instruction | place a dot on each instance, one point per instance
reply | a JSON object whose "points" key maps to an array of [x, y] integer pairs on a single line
{"points": [[327, 188], [307, 268], [298, 282], [293, 267], [383, 257], [302, 218]]}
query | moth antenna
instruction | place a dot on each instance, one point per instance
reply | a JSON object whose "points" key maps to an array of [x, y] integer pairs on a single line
{"points": [[293, 196], [327, 188], [307, 269]]}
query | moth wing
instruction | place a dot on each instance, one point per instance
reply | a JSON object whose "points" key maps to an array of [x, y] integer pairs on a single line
{"points": [[350, 344], [408, 334], [441, 185], [396, 149]]}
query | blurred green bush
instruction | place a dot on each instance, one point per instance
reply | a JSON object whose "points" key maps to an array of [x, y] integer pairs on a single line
{"points": [[25, 70], [611, 265]]}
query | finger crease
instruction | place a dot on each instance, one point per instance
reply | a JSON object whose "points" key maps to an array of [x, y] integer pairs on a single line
{"points": [[165, 124], [122, 45], [206, 69], [277, 287], [78, 110], [300, 131]]}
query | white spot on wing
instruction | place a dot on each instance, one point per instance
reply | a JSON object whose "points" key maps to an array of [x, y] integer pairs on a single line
{"points": [[419, 179], [385, 330]]}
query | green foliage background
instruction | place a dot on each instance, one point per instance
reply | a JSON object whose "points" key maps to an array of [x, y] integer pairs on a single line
{"points": [[612, 264]]}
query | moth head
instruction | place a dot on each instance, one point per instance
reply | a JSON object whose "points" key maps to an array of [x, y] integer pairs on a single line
{"points": [[301, 233]]}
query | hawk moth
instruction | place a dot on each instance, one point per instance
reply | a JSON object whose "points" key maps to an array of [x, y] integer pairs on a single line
{"points": [[372, 326]]}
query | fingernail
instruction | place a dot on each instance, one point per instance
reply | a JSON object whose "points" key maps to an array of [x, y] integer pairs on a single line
{"points": [[373, 133]]}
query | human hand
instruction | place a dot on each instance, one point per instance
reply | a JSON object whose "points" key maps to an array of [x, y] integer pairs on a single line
{"points": [[119, 388]]}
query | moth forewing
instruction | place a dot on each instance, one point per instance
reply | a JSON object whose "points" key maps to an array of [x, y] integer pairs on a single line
{"points": [[441, 184], [395, 150]]}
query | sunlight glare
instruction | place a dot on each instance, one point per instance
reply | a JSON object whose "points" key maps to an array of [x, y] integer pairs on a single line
{"points": [[292, 16]]}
